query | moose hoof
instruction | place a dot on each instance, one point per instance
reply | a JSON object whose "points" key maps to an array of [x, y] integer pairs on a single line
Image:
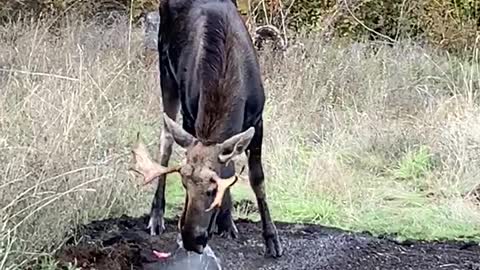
{"points": [[273, 247], [229, 230], [156, 224]]}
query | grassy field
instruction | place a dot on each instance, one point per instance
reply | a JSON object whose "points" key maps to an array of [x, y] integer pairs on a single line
{"points": [[384, 139]]}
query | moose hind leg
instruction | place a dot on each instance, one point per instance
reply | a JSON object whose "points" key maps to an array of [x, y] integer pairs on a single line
{"points": [[256, 175], [171, 107]]}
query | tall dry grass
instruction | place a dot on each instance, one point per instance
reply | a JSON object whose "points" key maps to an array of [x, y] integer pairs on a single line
{"points": [[382, 139], [70, 102], [385, 138]]}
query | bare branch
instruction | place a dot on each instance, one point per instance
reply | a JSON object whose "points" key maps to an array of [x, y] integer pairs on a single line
{"points": [[269, 32]]}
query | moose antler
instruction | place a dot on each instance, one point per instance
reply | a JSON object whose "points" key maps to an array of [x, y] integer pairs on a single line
{"points": [[222, 186], [145, 166]]}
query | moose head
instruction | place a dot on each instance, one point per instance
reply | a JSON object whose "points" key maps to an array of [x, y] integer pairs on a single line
{"points": [[199, 173]]}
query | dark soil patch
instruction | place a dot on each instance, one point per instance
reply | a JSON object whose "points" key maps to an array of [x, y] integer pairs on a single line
{"points": [[124, 243]]}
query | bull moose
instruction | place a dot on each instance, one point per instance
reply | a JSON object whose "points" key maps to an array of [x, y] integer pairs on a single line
{"points": [[208, 69]]}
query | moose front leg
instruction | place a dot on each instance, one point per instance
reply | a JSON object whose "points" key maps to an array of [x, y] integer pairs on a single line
{"points": [[225, 225], [156, 223], [171, 103], [256, 175]]}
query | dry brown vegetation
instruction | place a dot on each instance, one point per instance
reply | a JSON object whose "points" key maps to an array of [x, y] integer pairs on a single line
{"points": [[364, 137]]}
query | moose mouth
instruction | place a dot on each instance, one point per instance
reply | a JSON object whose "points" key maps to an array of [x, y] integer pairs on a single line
{"points": [[196, 245], [202, 258], [198, 249]]}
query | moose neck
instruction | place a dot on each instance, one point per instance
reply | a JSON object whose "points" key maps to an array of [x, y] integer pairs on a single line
{"points": [[221, 99]]}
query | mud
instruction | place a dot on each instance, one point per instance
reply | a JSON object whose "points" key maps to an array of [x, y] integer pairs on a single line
{"points": [[124, 243]]}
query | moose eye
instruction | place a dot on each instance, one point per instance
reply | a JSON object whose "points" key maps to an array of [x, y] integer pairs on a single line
{"points": [[211, 192]]}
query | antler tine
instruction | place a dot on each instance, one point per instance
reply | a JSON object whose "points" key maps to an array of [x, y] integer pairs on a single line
{"points": [[145, 166], [222, 186]]}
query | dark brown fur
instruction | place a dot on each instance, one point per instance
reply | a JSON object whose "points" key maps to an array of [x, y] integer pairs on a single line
{"points": [[220, 90]]}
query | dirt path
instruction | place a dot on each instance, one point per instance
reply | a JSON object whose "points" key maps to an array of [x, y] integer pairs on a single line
{"points": [[125, 244]]}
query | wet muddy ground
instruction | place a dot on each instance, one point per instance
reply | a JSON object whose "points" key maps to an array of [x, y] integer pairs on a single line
{"points": [[124, 243]]}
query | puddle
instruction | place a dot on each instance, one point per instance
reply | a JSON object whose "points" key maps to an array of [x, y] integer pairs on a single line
{"points": [[184, 260]]}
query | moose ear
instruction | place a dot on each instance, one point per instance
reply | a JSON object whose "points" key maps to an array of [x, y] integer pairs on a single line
{"points": [[181, 137], [235, 145]]}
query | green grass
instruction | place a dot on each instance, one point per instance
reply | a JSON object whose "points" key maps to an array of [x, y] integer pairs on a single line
{"points": [[413, 165], [388, 205], [385, 140]]}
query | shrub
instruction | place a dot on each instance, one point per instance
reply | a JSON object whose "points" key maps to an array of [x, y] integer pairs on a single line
{"points": [[446, 24]]}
